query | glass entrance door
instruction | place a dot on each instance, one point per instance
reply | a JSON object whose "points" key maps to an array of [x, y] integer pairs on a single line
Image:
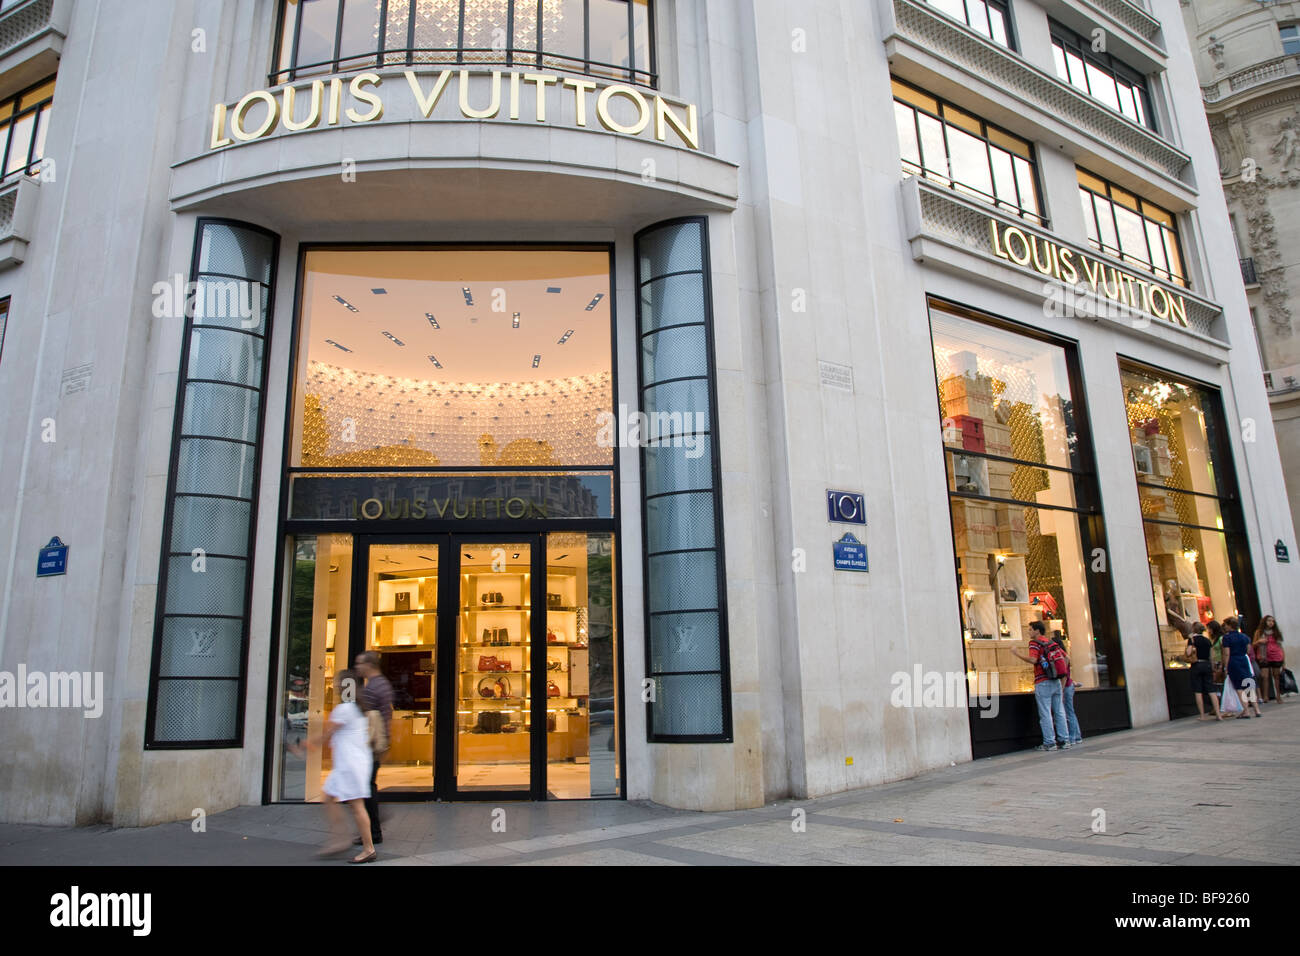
{"points": [[401, 626], [494, 687]]}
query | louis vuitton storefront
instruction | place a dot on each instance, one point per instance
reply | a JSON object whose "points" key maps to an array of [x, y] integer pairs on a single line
{"points": [[529, 344]]}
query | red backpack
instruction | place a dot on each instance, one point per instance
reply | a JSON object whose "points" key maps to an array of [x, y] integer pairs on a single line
{"points": [[1053, 660]]}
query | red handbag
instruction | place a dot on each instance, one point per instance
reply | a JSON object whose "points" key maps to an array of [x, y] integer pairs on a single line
{"points": [[553, 689], [486, 663]]}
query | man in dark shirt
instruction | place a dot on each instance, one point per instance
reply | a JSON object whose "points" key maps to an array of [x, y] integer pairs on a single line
{"points": [[377, 694]]}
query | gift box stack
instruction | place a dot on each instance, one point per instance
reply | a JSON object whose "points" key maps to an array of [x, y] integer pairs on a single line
{"points": [[970, 396], [974, 572], [1158, 505], [997, 441], [974, 526], [1013, 537]]}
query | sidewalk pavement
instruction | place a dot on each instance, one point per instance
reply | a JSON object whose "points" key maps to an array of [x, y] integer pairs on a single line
{"points": [[1184, 792]]}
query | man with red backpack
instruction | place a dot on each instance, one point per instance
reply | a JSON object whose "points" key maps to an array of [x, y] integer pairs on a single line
{"points": [[1051, 670]]}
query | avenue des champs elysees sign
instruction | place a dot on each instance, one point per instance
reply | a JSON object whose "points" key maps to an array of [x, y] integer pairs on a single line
{"points": [[513, 94]]}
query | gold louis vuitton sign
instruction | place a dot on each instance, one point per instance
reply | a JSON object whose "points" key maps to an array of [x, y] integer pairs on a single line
{"points": [[261, 112], [1074, 268]]}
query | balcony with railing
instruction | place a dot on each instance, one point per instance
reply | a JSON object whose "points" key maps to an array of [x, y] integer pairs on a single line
{"points": [[32, 33], [609, 39], [1258, 74], [17, 215], [915, 31]]}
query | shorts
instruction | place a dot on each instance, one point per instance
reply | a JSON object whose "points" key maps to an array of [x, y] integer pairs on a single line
{"points": [[1202, 678]]}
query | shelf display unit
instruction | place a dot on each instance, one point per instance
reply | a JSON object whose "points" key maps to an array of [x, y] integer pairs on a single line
{"points": [[567, 668], [404, 631], [493, 695]]}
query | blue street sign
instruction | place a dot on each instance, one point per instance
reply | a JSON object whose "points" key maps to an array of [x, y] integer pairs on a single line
{"points": [[846, 506], [53, 559], [850, 554], [1281, 551]]}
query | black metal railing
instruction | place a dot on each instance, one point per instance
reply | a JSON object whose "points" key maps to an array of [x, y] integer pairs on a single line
{"points": [[530, 34]]}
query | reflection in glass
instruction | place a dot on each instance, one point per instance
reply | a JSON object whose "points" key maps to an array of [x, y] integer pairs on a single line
{"points": [[316, 642], [494, 679]]}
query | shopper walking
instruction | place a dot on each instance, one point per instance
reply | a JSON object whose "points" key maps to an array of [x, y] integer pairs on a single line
{"points": [[347, 734], [1202, 672], [1270, 657], [1236, 647], [1047, 689], [377, 695], [1067, 695]]}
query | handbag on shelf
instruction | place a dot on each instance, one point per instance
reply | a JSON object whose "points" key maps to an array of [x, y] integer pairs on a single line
{"points": [[502, 635], [1009, 595], [551, 638], [487, 635], [553, 689], [402, 601], [490, 722], [486, 663], [553, 600]]}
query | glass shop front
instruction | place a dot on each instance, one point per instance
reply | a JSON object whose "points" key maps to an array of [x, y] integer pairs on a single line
{"points": [[449, 505]]}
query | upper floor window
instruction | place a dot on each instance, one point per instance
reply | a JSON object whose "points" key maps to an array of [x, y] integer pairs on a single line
{"points": [[24, 120], [608, 38], [956, 149], [1129, 228], [1101, 76], [989, 18], [1290, 39]]}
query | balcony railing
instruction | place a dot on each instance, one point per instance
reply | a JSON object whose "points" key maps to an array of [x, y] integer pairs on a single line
{"points": [[1277, 68], [611, 39], [1248, 271]]}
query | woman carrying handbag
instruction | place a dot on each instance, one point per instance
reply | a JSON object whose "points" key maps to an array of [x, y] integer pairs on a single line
{"points": [[1270, 657]]}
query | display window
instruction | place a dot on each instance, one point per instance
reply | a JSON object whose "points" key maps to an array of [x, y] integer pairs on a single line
{"points": [[1191, 518], [1027, 531]]}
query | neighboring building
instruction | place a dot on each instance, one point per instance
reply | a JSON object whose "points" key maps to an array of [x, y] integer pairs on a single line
{"points": [[550, 349], [1248, 59]]}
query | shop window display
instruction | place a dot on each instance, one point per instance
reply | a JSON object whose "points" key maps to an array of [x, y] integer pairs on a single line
{"points": [[1190, 523], [1022, 503]]}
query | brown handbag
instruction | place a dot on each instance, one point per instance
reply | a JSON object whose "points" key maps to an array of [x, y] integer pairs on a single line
{"points": [[378, 732]]}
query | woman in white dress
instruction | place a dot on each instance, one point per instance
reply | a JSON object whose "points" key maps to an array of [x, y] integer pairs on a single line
{"points": [[348, 734]]}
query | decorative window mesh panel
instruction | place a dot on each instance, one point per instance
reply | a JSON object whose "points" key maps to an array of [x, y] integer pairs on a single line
{"points": [[197, 683], [686, 653]]}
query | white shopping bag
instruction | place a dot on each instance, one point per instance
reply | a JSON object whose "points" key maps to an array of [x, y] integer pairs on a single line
{"points": [[1230, 703]]}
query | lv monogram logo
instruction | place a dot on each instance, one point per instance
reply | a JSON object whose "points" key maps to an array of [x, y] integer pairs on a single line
{"points": [[204, 640], [686, 642]]}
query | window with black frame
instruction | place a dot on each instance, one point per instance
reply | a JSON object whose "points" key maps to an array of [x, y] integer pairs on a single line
{"points": [[989, 18], [24, 122], [957, 149], [1128, 227], [1102, 76], [1191, 515], [605, 38], [1026, 515]]}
